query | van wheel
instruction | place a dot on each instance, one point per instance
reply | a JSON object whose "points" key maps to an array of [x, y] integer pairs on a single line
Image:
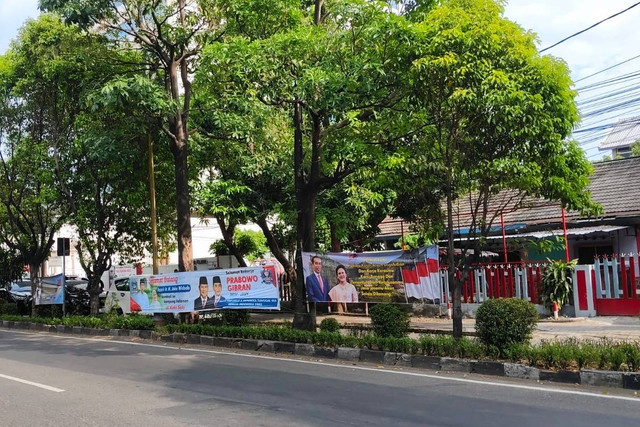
{"points": [[119, 312]]}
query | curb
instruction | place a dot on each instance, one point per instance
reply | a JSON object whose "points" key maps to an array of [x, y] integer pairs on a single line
{"points": [[610, 379]]}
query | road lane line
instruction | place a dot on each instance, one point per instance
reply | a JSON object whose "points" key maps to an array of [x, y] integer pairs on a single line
{"points": [[43, 386], [363, 368]]}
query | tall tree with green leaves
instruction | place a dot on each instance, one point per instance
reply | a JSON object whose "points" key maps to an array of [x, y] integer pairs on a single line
{"points": [[171, 35], [40, 91], [333, 76], [497, 115]]}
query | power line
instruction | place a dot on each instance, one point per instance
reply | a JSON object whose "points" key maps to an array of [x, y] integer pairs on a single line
{"points": [[594, 25], [607, 69]]}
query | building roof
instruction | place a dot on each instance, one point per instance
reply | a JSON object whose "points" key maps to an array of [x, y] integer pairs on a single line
{"points": [[623, 134], [614, 184]]}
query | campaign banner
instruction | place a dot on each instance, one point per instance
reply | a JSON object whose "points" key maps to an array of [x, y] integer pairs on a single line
{"points": [[388, 276], [50, 290], [252, 288]]}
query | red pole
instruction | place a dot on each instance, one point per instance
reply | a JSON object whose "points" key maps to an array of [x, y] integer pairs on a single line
{"points": [[504, 237], [566, 241]]}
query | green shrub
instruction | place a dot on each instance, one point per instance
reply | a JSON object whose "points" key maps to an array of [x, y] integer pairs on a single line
{"points": [[133, 321], [588, 356], [235, 317], [470, 349], [613, 357], [329, 325], [327, 339], [389, 321], [503, 322], [8, 307], [517, 352], [632, 355]]}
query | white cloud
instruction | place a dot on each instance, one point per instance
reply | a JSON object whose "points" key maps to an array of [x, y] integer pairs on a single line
{"points": [[13, 14], [603, 46]]}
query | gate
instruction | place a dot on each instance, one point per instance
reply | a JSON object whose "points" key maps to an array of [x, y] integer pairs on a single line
{"points": [[616, 286], [498, 280]]}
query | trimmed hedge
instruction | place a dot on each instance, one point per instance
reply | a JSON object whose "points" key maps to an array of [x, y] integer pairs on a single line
{"points": [[133, 321], [503, 322], [568, 354], [389, 320], [329, 325]]}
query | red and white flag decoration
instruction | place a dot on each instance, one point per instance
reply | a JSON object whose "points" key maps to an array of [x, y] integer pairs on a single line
{"points": [[411, 283], [429, 277]]}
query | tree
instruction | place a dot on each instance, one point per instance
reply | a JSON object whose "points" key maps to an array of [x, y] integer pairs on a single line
{"points": [[11, 266], [635, 149], [496, 116], [333, 77], [171, 35], [38, 112], [95, 141], [103, 176], [248, 243]]}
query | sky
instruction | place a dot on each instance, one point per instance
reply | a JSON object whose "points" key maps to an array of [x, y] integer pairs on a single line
{"points": [[605, 45]]}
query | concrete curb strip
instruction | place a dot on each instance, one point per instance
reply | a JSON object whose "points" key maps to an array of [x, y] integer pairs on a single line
{"points": [[284, 347], [484, 367], [516, 370], [613, 379], [397, 359], [265, 346], [372, 356], [350, 354], [304, 349], [455, 365], [601, 378], [631, 380], [569, 377]]}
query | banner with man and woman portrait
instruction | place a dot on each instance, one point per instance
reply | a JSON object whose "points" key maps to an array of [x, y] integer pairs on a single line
{"points": [[388, 276], [236, 288]]}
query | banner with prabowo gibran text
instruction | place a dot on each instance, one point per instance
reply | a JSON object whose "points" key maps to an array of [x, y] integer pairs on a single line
{"points": [[387, 276], [252, 288]]}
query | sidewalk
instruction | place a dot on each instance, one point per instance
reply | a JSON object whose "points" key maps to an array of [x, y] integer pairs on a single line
{"points": [[612, 327]]}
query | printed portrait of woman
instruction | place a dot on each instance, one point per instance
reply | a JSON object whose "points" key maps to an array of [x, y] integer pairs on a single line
{"points": [[343, 292]]}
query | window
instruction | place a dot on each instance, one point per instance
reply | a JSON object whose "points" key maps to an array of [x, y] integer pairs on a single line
{"points": [[122, 285]]}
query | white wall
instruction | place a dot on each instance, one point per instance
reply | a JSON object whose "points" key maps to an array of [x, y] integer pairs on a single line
{"points": [[204, 233]]}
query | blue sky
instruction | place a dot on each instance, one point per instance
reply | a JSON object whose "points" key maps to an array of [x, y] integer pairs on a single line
{"points": [[605, 45]]}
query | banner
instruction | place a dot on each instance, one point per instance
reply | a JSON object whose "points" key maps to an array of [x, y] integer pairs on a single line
{"points": [[238, 288], [50, 290], [388, 276]]}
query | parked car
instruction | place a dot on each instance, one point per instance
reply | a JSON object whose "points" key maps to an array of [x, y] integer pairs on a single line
{"points": [[18, 293], [77, 299]]}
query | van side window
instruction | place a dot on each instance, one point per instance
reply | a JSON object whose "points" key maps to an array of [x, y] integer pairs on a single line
{"points": [[122, 285]]}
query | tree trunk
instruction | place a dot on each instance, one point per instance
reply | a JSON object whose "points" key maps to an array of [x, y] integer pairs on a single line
{"points": [[275, 248], [95, 290], [183, 205], [454, 283], [228, 234], [335, 241], [34, 275], [302, 319]]}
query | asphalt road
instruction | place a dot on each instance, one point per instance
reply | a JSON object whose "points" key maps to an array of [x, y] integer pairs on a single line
{"points": [[56, 380]]}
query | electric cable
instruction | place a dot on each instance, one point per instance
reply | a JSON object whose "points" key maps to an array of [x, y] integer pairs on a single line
{"points": [[588, 28]]}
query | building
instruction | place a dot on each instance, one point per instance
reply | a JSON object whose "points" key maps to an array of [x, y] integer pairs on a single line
{"points": [[621, 137], [614, 185]]}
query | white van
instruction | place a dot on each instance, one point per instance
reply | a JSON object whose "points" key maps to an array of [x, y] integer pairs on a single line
{"points": [[119, 298]]}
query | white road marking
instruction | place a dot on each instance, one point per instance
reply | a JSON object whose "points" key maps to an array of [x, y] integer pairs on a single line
{"points": [[44, 386], [363, 368]]}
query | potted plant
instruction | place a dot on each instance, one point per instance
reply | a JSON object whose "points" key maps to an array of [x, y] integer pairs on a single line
{"points": [[557, 283]]}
